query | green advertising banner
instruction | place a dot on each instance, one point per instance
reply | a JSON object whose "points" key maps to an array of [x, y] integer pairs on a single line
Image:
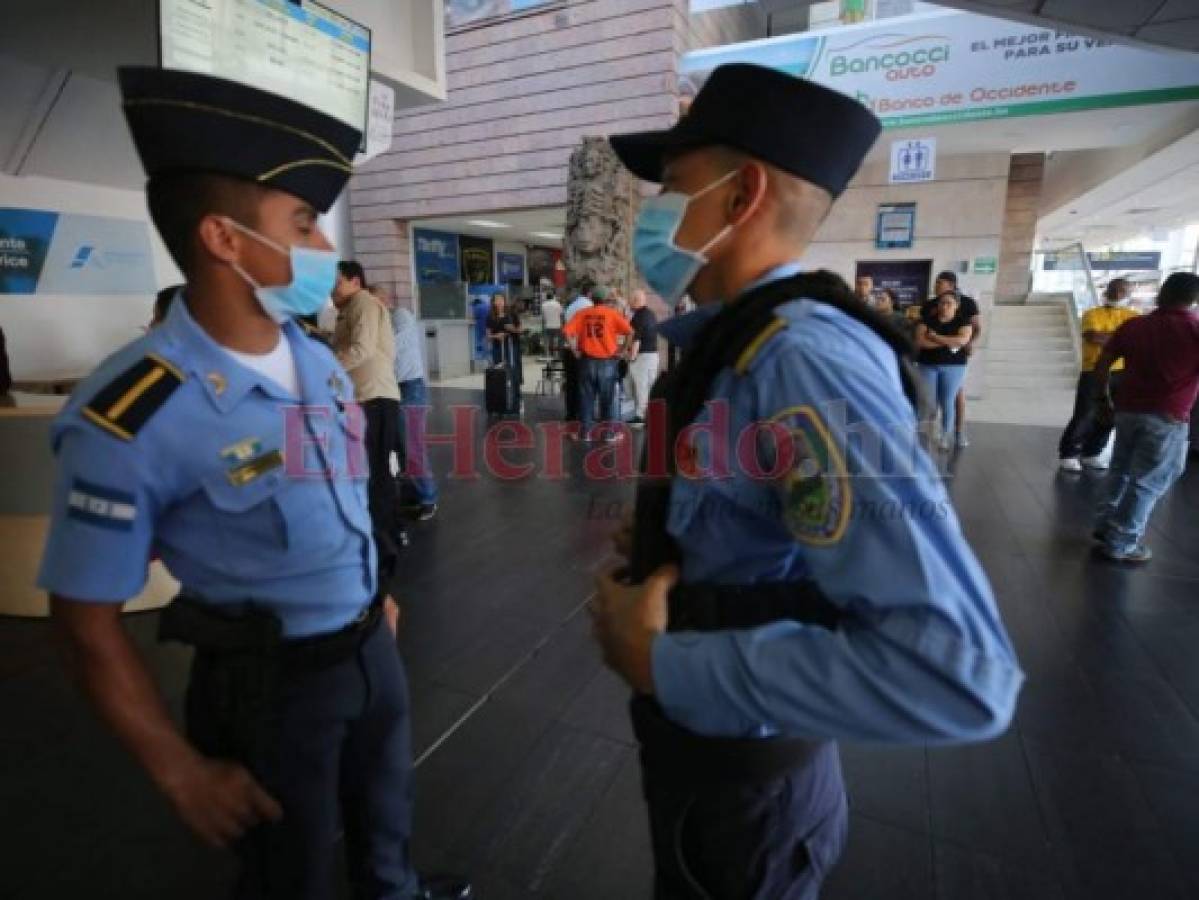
{"points": [[949, 66]]}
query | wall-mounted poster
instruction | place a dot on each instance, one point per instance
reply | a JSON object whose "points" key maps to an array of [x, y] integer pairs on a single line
{"points": [[909, 278], [436, 256], [477, 255], [541, 264], [511, 267], [44, 252], [469, 12], [896, 226]]}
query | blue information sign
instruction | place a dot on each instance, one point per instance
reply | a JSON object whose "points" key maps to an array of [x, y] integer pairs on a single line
{"points": [[436, 255]]}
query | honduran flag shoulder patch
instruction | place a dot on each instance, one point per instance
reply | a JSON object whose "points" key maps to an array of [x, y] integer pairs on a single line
{"points": [[102, 506]]}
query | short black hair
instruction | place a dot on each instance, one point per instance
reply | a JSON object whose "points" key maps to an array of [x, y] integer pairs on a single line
{"points": [[1114, 287], [179, 200], [351, 268], [951, 277], [1179, 290]]}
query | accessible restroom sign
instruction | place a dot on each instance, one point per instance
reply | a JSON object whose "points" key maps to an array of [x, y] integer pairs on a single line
{"points": [[913, 161]]}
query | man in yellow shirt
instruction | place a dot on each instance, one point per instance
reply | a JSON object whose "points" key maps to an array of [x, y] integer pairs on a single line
{"points": [[1085, 437]]}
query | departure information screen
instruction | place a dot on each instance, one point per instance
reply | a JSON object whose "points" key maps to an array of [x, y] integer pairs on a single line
{"points": [[301, 50]]}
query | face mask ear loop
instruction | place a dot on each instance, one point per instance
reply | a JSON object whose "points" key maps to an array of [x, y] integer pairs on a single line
{"points": [[724, 232], [715, 184], [246, 275], [258, 237], [720, 235]]}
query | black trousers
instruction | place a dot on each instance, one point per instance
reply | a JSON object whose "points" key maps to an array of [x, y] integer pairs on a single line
{"points": [[570, 385], [338, 758], [1084, 436], [770, 839], [382, 429]]}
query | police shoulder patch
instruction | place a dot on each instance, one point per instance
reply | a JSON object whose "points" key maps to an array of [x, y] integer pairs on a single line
{"points": [[817, 498], [127, 402]]}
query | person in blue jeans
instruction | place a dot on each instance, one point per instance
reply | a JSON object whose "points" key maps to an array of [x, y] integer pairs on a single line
{"points": [[597, 380], [413, 453], [1149, 457], [1152, 410], [940, 339], [597, 334]]}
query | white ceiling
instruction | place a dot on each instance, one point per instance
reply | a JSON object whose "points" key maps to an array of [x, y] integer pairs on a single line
{"points": [[522, 223], [1163, 23], [1159, 192]]}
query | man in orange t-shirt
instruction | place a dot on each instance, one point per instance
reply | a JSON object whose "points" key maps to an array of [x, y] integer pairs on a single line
{"points": [[596, 335]]}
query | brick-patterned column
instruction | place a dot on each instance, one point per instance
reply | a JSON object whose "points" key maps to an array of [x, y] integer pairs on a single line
{"points": [[1019, 227], [384, 250]]}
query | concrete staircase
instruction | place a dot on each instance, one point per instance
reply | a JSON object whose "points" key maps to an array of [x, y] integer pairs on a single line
{"points": [[1029, 366], [1030, 348]]}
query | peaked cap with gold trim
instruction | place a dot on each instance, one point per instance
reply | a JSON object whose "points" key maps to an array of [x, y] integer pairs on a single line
{"points": [[188, 122]]}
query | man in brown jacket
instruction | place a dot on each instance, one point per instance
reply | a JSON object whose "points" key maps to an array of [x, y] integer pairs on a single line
{"points": [[365, 347]]}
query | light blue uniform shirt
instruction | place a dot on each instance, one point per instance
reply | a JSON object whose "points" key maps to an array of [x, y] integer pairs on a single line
{"points": [[290, 540], [923, 656], [410, 342]]}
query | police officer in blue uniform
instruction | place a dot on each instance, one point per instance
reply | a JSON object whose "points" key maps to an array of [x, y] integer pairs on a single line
{"points": [[796, 572], [225, 442]]}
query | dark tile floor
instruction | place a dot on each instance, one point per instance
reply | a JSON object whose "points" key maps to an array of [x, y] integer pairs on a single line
{"points": [[527, 776]]}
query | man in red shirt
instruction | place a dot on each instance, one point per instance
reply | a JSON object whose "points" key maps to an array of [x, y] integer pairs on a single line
{"points": [[596, 335], [1152, 408]]}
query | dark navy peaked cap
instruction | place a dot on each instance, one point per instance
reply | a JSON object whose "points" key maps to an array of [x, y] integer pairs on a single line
{"points": [[803, 128], [189, 122]]}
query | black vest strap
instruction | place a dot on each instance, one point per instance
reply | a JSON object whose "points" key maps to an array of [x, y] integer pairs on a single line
{"points": [[723, 340], [723, 607], [721, 343]]}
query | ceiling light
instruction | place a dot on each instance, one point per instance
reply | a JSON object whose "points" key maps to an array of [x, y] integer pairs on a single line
{"points": [[486, 223], [551, 235]]}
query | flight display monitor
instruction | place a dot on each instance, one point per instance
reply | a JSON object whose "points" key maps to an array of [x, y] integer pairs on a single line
{"points": [[296, 48]]}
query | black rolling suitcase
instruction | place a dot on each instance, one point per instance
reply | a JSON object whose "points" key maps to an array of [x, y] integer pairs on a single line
{"points": [[500, 393]]}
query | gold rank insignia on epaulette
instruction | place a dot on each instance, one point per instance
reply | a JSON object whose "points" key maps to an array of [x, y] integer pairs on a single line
{"points": [[127, 402]]}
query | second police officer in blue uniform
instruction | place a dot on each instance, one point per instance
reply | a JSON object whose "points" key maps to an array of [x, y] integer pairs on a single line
{"points": [[800, 577], [225, 441]]}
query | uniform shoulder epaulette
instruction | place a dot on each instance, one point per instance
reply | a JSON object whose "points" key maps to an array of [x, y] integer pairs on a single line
{"points": [[746, 357], [127, 402]]}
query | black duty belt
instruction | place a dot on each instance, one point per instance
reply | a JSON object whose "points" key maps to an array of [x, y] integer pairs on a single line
{"points": [[725, 607], [324, 650], [256, 633], [672, 753]]}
